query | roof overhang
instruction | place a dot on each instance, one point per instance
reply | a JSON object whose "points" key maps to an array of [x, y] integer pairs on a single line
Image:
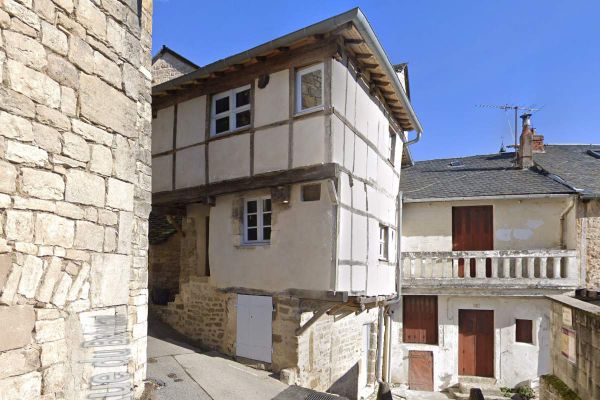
{"points": [[498, 197], [353, 27]]}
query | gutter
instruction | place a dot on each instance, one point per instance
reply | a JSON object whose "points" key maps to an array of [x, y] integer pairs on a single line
{"points": [[562, 223], [364, 28], [354, 16], [498, 197]]}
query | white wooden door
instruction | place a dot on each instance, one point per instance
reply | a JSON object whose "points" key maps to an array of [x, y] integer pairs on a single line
{"points": [[254, 317], [364, 357]]}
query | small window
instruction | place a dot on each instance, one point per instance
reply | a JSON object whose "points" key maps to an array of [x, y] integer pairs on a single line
{"points": [[311, 192], [309, 88], [524, 331], [257, 220], [392, 149], [230, 110], [383, 242]]}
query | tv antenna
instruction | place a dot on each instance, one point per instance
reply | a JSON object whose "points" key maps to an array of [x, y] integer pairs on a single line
{"points": [[516, 108]]}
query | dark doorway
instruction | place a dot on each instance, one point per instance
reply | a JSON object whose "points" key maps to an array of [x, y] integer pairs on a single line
{"points": [[420, 370], [473, 229], [476, 343]]}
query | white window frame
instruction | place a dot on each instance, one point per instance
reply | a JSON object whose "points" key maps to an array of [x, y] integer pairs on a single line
{"points": [[259, 220], [232, 112], [392, 147], [384, 242], [303, 71]]}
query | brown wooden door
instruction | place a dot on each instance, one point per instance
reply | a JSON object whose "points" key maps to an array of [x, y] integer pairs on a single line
{"points": [[420, 370], [476, 343], [473, 229]]}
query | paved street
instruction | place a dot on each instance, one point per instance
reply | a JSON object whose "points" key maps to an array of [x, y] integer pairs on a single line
{"points": [[188, 373]]}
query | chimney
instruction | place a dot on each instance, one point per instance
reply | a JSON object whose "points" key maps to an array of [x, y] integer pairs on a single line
{"points": [[537, 142], [525, 154]]}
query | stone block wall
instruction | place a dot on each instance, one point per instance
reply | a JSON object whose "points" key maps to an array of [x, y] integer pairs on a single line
{"points": [[552, 388], [168, 67], [582, 376], [588, 243], [327, 355], [203, 314], [324, 357], [164, 264], [75, 181]]}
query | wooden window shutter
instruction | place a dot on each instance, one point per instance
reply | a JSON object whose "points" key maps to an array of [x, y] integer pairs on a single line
{"points": [[420, 319], [524, 330]]}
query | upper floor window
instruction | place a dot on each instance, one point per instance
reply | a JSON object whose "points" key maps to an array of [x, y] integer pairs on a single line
{"points": [[384, 233], [309, 87], [392, 147], [257, 220], [230, 110]]}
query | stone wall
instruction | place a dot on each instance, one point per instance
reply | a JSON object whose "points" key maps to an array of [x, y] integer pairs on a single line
{"points": [[167, 67], [325, 357], [581, 374], [203, 314], [163, 270], [552, 388], [75, 184], [588, 233]]}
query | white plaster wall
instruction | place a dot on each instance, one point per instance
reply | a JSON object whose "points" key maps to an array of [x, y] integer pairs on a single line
{"points": [[162, 173], [191, 121], [229, 158], [360, 145], [272, 102], [299, 255], [514, 363], [271, 148], [190, 167], [309, 141], [162, 130], [518, 224]]}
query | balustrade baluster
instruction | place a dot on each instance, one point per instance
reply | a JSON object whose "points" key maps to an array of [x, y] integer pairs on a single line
{"points": [[455, 267], [530, 267], [480, 267], [494, 264], [543, 267], [506, 267], [518, 267]]}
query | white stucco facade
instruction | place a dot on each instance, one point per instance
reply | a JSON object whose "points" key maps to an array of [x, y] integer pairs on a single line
{"points": [[514, 363]]}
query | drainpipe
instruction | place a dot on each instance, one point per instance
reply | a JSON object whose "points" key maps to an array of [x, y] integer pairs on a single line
{"points": [[415, 140], [379, 358], [562, 223], [387, 347]]}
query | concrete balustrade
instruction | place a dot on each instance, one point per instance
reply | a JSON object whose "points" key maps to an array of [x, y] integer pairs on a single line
{"points": [[510, 269]]}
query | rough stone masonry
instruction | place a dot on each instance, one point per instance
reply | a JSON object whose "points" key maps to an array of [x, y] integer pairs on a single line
{"points": [[75, 118]]}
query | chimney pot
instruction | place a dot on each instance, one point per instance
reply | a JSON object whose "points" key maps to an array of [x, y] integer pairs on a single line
{"points": [[525, 154]]}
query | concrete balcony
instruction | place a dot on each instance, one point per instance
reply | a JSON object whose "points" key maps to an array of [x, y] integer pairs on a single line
{"points": [[502, 272]]}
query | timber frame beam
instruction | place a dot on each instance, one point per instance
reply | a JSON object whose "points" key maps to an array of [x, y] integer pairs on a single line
{"points": [[201, 194]]}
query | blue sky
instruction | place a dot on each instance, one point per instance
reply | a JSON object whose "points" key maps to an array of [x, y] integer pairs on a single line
{"points": [[460, 53]]}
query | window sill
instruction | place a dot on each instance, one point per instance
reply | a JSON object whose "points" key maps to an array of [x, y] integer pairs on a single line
{"points": [[309, 111], [215, 136], [251, 245]]}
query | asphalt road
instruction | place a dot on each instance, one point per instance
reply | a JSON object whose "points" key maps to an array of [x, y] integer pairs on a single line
{"points": [[184, 372]]}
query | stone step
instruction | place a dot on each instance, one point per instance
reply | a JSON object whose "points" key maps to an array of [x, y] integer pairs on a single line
{"points": [[487, 388], [458, 395], [477, 379]]}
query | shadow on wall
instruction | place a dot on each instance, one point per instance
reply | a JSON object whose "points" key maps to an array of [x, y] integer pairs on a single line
{"points": [[347, 384]]}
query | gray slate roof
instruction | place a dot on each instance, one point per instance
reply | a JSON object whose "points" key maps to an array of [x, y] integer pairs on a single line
{"points": [[482, 175], [574, 165]]}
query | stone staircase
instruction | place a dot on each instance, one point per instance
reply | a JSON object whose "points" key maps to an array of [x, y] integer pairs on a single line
{"points": [[488, 387]]}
